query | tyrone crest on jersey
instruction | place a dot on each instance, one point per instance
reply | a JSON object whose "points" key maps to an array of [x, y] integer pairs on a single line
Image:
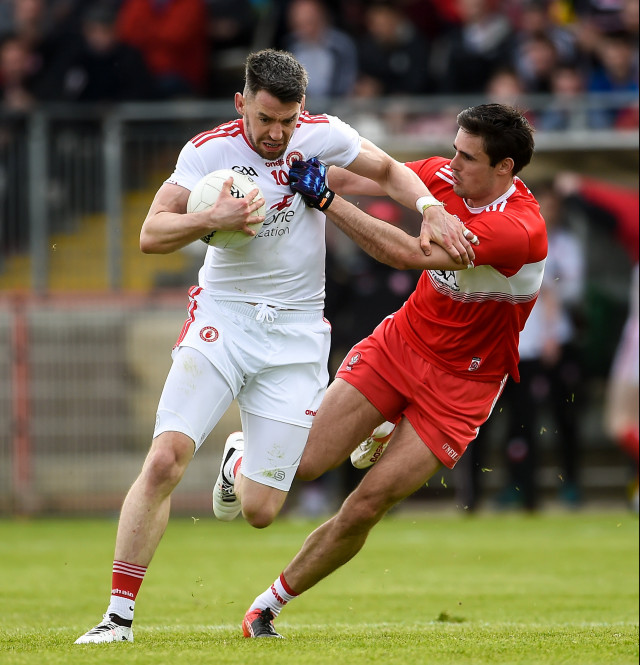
{"points": [[292, 157]]}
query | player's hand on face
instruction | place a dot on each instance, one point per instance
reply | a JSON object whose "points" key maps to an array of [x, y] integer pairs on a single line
{"points": [[230, 213], [446, 230]]}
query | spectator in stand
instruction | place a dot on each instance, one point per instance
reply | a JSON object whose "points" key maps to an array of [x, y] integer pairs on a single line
{"points": [[566, 110], [538, 60], [48, 47], [615, 71], [474, 49], [30, 19], [232, 31], [173, 37], [232, 23], [393, 56], [16, 75], [605, 16], [505, 87], [106, 69], [540, 17], [630, 18], [329, 55], [431, 17]]}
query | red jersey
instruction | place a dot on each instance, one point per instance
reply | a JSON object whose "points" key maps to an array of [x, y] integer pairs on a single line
{"points": [[467, 322]]}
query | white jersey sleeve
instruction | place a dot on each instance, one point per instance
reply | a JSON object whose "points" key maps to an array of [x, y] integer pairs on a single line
{"points": [[283, 265]]}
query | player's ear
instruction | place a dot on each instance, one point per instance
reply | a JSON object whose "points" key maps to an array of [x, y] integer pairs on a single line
{"points": [[304, 97], [239, 103], [506, 166]]}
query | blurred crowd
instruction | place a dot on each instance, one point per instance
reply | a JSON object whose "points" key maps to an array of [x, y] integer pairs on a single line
{"points": [[123, 50]]}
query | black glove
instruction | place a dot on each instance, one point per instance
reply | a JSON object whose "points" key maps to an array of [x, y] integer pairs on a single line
{"points": [[310, 180]]}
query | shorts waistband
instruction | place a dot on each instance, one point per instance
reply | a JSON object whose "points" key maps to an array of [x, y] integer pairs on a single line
{"points": [[283, 315]]}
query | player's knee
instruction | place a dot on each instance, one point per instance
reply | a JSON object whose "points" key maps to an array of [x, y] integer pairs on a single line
{"points": [[166, 464], [261, 508], [259, 516]]}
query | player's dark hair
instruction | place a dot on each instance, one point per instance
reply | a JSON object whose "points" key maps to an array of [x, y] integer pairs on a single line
{"points": [[504, 130], [276, 72]]}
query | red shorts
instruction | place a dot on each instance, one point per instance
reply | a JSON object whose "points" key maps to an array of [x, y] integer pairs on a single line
{"points": [[445, 410]]}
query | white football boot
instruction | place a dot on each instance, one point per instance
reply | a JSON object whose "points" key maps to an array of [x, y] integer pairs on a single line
{"points": [[107, 631], [369, 451], [226, 505]]}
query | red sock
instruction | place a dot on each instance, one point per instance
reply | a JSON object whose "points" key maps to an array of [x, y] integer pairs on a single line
{"points": [[125, 584]]}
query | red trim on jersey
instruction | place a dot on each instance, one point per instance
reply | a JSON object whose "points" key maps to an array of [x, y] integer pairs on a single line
{"points": [[495, 296], [191, 314], [227, 129], [307, 118]]}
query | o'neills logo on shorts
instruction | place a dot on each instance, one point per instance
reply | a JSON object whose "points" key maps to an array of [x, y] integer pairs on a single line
{"points": [[354, 360], [209, 334], [450, 451]]}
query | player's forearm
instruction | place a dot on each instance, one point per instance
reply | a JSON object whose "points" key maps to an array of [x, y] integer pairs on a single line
{"points": [[345, 182], [167, 232], [390, 177], [404, 186], [385, 242]]}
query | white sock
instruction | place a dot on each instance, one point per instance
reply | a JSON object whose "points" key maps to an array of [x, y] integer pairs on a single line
{"points": [[275, 597], [123, 607]]}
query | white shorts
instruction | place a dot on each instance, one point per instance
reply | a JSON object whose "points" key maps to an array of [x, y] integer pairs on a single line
{"points": [[276, 369]]}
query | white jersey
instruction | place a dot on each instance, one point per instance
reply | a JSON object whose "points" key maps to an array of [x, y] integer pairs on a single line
{"points": [[283, 266]]}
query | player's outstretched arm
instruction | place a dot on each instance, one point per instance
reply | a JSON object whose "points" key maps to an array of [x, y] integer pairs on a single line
{"points": [[379, 239], [387, 243], [404, 185]]}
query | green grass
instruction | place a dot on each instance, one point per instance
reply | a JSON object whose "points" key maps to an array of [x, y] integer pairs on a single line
{"points": [[427, 588]]}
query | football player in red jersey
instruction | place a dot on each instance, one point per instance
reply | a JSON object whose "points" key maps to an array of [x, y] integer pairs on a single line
{"points": [[439, 364]]}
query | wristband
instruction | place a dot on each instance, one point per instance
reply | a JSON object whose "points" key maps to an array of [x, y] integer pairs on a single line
{"points": [[327, 198], [425, 202]]}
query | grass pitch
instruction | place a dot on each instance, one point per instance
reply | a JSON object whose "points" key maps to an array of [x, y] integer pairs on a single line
{"points": [[490, 589]]}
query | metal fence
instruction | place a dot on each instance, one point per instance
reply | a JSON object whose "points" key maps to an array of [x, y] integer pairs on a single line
{"points": [[87, 322], [79, 383]]}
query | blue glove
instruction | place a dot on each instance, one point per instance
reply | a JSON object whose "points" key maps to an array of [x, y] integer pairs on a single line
{"points": [[309, 179]]}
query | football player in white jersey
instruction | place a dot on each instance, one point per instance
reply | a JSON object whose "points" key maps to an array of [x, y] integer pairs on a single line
{"points": [[255, 330]]}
